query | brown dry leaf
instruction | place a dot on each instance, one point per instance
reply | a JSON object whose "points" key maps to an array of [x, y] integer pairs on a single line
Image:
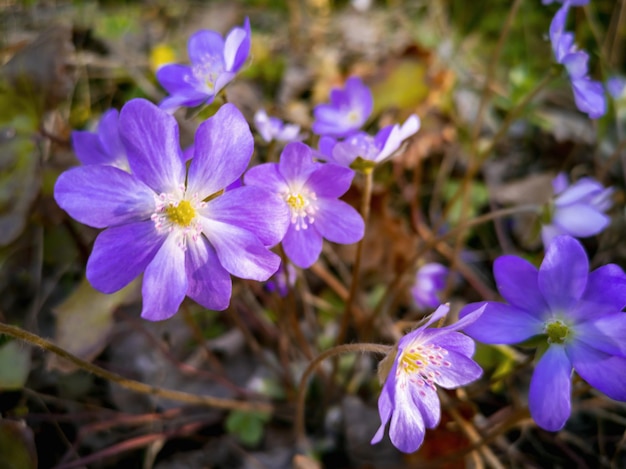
{"points": [[84, 323]]}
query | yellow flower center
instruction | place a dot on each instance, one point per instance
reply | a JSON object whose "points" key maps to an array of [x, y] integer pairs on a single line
{"points": [[412, 362], [296, 201], [557, 332], [181, 214]]}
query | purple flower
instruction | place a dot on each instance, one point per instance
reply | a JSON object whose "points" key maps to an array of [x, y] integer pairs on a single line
{"points": [[373, 149], [178, 226], [214, 63], [574, 3], [425, 357], [348, 110], [615, 86], [310, 190], [577, 210], [284, 278], [577, 312], [272, 128], [430, 281], [588, 94], [103, 146]]}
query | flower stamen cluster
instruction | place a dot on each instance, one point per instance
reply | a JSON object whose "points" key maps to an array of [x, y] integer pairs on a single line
{"points": [[303, 208], [557, 331]]}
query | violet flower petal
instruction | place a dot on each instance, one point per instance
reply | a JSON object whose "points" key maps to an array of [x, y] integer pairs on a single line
{"points": [[175, 78], [427, 402], [150, 136], [204, 44], [512, 274], [502, 324], [121, 253], [563, 273], [580, 220], [254, 209], [330, 180], [339, 222], [603, 371], [296, 164], [88, 148], [164, 282], [605, 333], [266, 175], [589, 97], [303, 247], [239, 251], [407, 428], [237, 46], [102, 196], [550, 389], [460, 371], [223, 147], [209, 284]]}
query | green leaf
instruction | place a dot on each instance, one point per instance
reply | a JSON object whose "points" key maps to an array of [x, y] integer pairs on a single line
{"points": [[247, 426], [17, 446], [14, 366]]}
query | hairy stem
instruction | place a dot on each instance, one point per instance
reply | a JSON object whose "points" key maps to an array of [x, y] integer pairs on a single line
{"points": [[302, 387], [218, 403]]}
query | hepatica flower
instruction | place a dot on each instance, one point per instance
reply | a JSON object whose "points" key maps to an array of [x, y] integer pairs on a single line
{"points": [[578, 313], [103, 146], [616, 86], [370, 149], [180, 228], [272, 128], [214, 63], [575, 3], [577, 210], [588, 93], [430, 280], [348, 110], [425, 358], [310, 192]]}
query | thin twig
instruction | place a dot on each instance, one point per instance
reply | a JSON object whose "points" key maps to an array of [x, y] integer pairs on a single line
{"points": [[218, 403]]}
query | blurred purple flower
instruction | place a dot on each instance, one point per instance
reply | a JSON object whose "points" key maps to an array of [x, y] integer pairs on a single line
{"points": [[179, 227], [588, 94], [214, 63], [579, 314], [103, 146], [310, 190], [577, 210], [574, 3], [283, 279], [615, 86], [425, 357], [430, 280], [361, 145], [348, 110], [272, 128]]}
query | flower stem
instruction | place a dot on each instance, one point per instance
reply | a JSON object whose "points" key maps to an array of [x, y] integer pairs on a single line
{"points": [[302, 387], [218, 403], [365, 213], [491, 68]]}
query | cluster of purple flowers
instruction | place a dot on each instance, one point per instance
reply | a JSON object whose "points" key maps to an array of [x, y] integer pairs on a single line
{"points": [[588, 94], [184, 219], [347, 112], [187, 222]]}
